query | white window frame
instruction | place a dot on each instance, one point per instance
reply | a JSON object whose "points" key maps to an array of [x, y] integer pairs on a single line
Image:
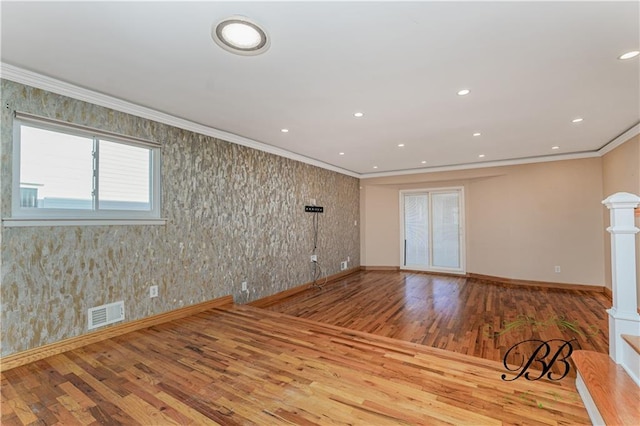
{"points": [[27, 216], [463, 248]]}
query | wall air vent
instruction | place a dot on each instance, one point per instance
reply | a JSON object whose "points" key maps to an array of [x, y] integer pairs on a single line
{"points": [[106, 314]]}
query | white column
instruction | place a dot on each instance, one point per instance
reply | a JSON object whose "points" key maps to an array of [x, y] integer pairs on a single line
{"points": [[623, 315]]}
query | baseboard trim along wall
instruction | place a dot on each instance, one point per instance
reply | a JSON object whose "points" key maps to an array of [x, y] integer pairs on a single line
{"points": [[543, 284], [500, 280], [265, 302], [31, 355], [438, 273], [380, 268]]}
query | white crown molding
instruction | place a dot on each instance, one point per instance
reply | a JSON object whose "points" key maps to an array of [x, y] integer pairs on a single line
{"points": [[484, 165], [610, 146], [30, 78]]}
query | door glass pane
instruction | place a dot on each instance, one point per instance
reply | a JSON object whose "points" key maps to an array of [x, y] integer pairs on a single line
{"points": [[124, 177], [446, 229], [56, 170], [416, 225]]}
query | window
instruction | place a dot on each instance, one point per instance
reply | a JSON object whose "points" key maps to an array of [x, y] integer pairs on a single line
{"points": [[68, 172]]}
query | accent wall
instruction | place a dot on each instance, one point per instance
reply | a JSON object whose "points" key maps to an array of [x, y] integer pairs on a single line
{"points": [[233, 214]]}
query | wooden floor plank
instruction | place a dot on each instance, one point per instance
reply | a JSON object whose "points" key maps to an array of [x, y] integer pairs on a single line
{"points": [[457, 314], [243, 365], [81, 414]]}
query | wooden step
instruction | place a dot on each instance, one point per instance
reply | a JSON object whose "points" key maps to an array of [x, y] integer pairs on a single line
{"points": [[613, 392], [633, 341]]}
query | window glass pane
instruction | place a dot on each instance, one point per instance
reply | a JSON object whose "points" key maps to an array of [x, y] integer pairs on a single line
{"points": [[416, 224], [56, 170], [124, 177], [446, 227]]}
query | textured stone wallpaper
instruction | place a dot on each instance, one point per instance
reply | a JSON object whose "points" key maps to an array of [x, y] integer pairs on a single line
{"points": [[234, 214]]}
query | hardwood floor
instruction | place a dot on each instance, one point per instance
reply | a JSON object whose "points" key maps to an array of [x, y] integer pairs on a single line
{"points": [[243, 365], [471, 317]]}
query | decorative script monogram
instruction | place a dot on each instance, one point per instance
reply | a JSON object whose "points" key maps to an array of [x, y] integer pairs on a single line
{"points": [[539, 358]]}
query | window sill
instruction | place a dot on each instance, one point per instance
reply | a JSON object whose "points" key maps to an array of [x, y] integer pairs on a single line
{"points": [[24, 222]]}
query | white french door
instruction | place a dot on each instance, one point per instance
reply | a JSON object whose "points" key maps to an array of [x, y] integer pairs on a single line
{"points": [[432, 226]]}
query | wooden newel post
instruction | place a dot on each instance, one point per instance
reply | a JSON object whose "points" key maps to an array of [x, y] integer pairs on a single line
{"points": [[623, 315]]}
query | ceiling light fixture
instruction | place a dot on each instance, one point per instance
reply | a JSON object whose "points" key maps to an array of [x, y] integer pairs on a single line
{"points": [[400, 145], [464, 92], [481, 156], [341, 153], [375, 167], [629, 55], [284, 130], [423, 162], [577, 120], [555, 147], [358, 114], [477, 134], [241, 36]]}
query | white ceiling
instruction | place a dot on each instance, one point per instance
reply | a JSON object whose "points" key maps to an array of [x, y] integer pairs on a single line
{"points": [[531, 67]]}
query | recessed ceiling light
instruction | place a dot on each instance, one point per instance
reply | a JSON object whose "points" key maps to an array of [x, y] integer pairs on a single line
{"points": [[481, 156], [423, 162], [375, 167], [576, 120], [358, 114], [342, 153], [284, 130], [400, 145], [477, 134], [629, 55], [555, 147], [464, 92], [240, 35]]}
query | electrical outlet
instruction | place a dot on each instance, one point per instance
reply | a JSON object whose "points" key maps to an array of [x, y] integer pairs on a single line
{"points": [[343, 266], [558, 269], [153, 291], [245, 286], [314, 257]]}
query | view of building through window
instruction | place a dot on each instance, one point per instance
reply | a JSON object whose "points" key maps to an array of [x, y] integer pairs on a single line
{"points": [[59, 171]]}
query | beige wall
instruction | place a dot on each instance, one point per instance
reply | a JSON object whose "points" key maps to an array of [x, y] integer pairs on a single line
{"points": [[521, 221], [380, 227], [621, 173]]}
